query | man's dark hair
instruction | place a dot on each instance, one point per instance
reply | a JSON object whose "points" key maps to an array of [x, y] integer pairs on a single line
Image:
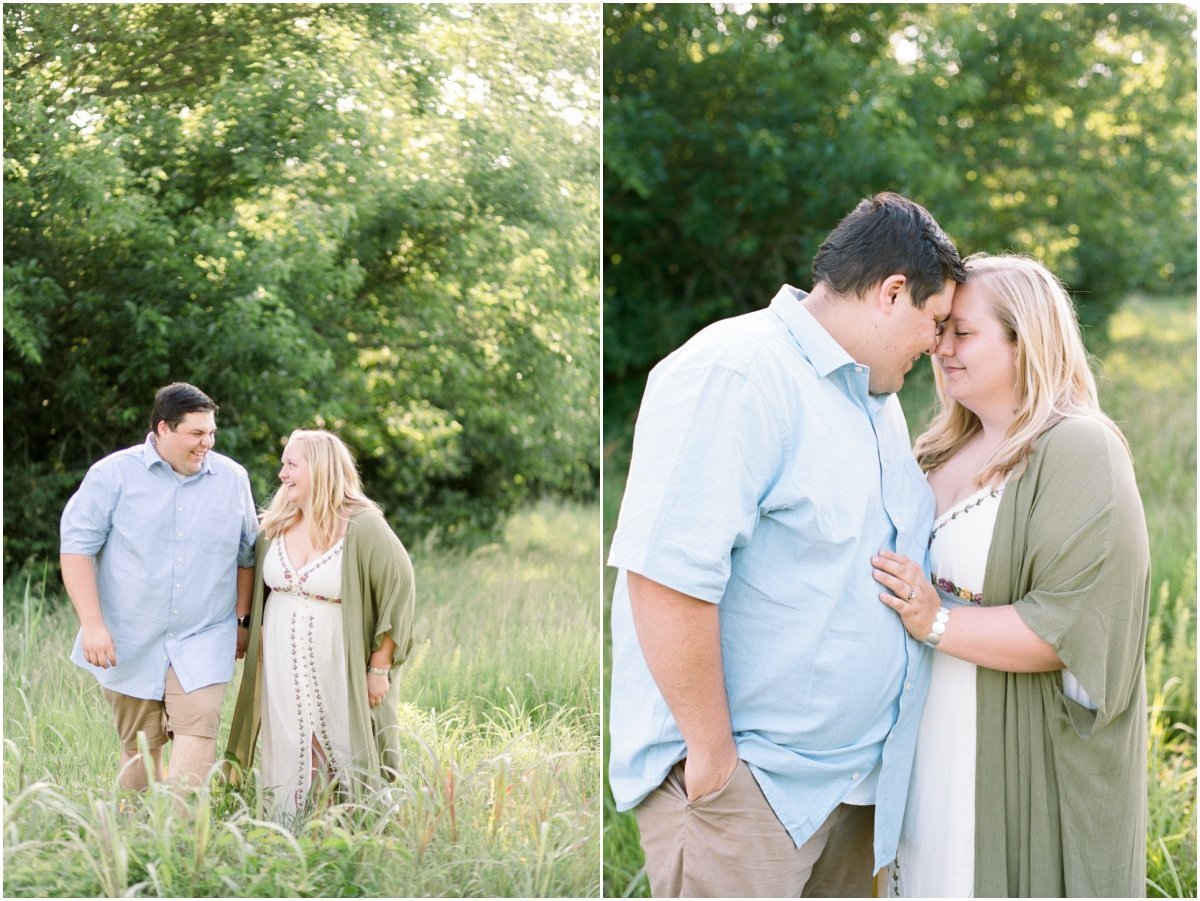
{"points": [[174, 401], [888, 235]]}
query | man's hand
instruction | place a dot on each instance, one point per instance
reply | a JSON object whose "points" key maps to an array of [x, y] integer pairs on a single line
{"points": [[243, 639], [79, 578], [98, 648], [704, 774]]}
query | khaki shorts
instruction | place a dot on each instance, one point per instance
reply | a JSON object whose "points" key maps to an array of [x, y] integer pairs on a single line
{"points": [[196, 713], [730, 844]]}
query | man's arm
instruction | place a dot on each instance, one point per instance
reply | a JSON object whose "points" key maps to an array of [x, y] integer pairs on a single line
{"points": [[245, 589], [79, 577], [680, 638], [245, 597]]}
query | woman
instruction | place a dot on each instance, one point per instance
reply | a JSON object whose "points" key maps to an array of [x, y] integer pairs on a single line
{"points": [[333, 606], [1029, 776]]}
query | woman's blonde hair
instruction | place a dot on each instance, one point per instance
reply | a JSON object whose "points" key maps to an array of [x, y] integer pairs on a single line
{"points": [[1054, 378], [335, 492]]}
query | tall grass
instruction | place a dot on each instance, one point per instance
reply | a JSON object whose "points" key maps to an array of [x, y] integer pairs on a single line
{"points": [[499, 791], [1148, 385]]}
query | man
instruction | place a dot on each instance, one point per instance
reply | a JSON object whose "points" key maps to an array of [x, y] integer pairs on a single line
{"points": [[157, 550], [764, 702]]}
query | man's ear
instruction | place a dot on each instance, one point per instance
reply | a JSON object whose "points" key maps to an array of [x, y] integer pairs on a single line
{"points": [[887, 293]]}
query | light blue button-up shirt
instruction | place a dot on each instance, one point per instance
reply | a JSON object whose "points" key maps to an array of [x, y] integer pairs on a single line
{"points": [[167, 550], [764, 477]]}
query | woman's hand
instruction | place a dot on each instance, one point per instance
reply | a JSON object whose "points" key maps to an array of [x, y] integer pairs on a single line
{"points": [[910, 595], [380, 662], [377, 689]]}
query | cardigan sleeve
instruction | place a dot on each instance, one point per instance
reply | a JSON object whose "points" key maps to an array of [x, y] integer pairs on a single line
{"points": [[391, 590], [1087, 567], [246, 722]]}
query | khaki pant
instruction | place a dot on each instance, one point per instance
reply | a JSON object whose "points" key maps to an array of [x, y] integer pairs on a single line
{"points": [[730, 844]]}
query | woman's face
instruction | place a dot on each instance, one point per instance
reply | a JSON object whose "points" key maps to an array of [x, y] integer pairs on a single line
{"points": [[978, 362], [294, 475]]}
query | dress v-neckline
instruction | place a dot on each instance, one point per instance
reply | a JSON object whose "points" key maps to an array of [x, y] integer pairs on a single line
{"points": [[957, 506], [311, 563]]}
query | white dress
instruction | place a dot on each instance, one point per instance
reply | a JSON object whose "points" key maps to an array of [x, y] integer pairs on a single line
{"points": [[304, 693], [936, 854]]}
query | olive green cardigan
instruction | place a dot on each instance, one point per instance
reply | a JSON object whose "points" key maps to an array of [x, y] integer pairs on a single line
{"points": [[1060, 795], [377, 599]]}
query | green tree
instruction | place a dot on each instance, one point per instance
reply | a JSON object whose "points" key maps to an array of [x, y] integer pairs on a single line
{"points": [[377, 219], [737, 136]]}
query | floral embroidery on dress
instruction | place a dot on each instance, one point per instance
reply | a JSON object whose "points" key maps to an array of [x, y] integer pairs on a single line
{"points": [[322, 719], [298, 687], [963, 593], [294, 580], [896, 892], [978, 502], [310, 707]]}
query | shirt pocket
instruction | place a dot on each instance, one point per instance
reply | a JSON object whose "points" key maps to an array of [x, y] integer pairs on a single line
{"points": [[833, 499], [217, 534]]}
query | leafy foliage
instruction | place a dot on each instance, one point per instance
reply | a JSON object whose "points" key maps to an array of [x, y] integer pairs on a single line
{"points": [[736, 137], [380, 219]]}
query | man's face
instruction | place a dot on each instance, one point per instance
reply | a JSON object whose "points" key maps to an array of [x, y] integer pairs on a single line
{"points": [[185, 446], [909, 333]]}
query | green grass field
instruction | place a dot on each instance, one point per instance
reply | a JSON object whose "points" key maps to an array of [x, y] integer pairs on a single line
{"points": [[1148, 385], [500, 795]]}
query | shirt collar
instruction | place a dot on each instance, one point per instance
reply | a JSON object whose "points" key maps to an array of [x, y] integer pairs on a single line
{"points": [[151, 456], [823, 352]]}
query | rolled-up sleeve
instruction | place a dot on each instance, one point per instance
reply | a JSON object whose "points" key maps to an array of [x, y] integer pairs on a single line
{"points": [[87, 519], [707, 449], [249, 524]]}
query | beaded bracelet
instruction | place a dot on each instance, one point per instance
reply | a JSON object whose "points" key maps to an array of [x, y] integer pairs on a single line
{"points": [[939, 626]]}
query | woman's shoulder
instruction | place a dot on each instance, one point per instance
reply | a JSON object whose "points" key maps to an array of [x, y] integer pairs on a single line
{"points": [[1079, 437], [369, 523], [371, 540], [367, 519], [1081, 453]]}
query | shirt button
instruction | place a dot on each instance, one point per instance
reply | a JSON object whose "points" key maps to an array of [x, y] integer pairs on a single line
{"points": [[854, 777], [907, 686], [858, 369]]}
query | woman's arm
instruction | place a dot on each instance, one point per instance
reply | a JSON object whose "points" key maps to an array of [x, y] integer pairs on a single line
{"points": [[995, 637], [382, 659], [378, 666]]}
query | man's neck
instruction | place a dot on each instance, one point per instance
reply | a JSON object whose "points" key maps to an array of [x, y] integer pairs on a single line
{"points": [[840, 317]]}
